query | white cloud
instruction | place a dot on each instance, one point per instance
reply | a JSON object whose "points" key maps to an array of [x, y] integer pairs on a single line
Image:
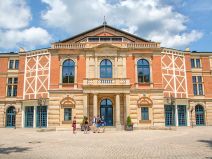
{"points": [[15, 31], [14, 14], [150, 19], [27, 38], [178, 40]]}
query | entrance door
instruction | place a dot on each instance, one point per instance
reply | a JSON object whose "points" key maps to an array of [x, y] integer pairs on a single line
{"points": [[106, 111], [169, 115], [182, 115], [10, 117], [41, 116], [29, 116], [199, 112]]}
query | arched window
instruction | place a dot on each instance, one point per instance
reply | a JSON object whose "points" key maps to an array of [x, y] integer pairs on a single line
{"points": [[143, 71], [106, 69], [68, 71], [199, 113]]}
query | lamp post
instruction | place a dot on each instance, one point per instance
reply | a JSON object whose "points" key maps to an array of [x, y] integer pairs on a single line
{"points": [[41, 102]]}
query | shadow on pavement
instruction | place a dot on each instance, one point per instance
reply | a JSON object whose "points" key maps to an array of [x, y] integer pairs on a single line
{"points": [[209, 142], [8, 150]]}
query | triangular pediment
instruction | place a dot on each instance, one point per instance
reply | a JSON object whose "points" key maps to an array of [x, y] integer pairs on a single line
{"points": [[105, 31]]}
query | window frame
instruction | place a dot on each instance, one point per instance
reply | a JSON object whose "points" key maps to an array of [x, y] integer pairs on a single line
{"points": [[198, 85], [105, 67], [144, 113], [69, 114], [13, 64], [70, 69], [195, 64], [12, 86], [143, 67]]}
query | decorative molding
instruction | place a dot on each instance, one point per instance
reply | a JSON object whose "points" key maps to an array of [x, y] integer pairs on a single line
{"points": [[144, 101], [67, 102]]}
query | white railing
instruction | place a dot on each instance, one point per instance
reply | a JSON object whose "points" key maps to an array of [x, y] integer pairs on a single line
{"points": [[91, 45], [143, 45], [106, 81]]}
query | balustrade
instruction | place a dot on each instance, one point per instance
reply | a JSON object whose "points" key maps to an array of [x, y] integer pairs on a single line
{"points": [[90, 45], [106, 81]]}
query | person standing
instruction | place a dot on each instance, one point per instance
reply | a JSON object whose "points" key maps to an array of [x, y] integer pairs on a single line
{"points": [[98, 123], [86, 126], [74, 125], [94, 121]]}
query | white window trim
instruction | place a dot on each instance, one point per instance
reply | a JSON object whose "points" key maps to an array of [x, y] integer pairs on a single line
{"points": [[195, 63], [114, 66], [203, 89], [136, 70], [12, 96], [75, 70], [13, 68]]}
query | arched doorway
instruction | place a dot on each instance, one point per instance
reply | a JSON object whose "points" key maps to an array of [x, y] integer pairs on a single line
{"points": [[199, 113], [106, 111], [10, 117]]}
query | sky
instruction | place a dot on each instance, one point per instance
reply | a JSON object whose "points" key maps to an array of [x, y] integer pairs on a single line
{"points": [[35, 24]]}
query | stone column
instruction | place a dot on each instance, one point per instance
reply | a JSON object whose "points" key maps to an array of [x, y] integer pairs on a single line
{"points": [[95, 105], [176, 115], [34, 117], [85, 105], [127, 102], [118, 124], [188, 116]]}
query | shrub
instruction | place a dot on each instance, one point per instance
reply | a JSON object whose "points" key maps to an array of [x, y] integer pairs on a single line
{"points": [[129, 122]]}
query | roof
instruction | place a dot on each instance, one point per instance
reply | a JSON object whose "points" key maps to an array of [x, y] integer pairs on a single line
{"points": [[8, 53], [106, 26]]}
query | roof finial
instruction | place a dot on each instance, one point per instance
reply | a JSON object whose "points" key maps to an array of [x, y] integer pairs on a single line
{"points": [[104, 23]]}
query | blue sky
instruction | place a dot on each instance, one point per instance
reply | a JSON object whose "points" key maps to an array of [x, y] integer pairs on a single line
{"points": [[35, 24]]}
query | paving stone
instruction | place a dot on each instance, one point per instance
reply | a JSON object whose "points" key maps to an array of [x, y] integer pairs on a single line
{"points": [[183, 143]]}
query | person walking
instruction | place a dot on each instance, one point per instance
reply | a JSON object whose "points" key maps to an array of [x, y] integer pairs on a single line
{"points": [[86, 126], [74, 125]]}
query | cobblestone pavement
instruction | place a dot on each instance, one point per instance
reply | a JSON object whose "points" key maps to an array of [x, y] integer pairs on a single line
{"points": [[182, 143]]}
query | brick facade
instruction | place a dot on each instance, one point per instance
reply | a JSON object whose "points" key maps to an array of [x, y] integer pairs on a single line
{"points": [[167, 92]]}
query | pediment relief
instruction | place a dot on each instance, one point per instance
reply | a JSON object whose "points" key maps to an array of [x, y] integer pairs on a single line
{"points": [[144, 101], [67, 102]]}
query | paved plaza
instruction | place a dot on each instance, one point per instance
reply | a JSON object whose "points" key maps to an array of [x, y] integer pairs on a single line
{"points": [[181, 143]]}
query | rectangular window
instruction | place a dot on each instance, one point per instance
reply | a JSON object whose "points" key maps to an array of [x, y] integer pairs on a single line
{"points": [[67, 114], [11, 63], [197, 85], [16, 64], [195, 63], [12, 85], [192, 63], [144, 113]]}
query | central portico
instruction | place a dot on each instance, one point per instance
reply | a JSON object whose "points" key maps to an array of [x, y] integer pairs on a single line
{"points": [[112, 103]]}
